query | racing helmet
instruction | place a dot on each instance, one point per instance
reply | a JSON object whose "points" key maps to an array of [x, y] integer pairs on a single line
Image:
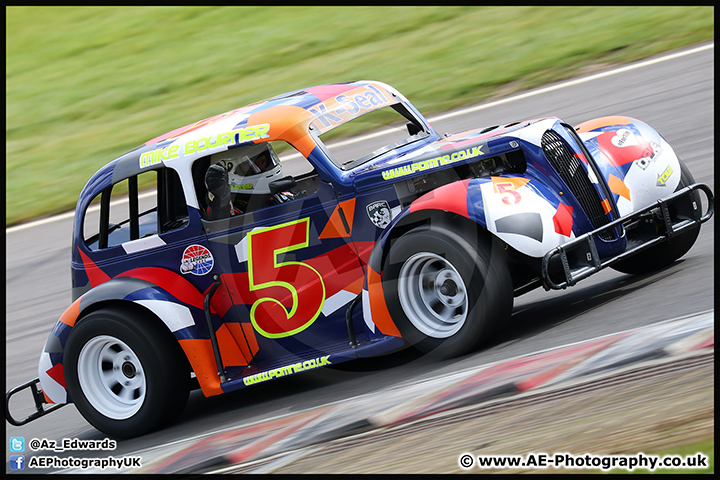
{"points": [[250, 168]]}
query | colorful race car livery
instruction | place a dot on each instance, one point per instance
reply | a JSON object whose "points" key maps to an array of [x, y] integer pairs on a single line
{"points": [[245, 247]]}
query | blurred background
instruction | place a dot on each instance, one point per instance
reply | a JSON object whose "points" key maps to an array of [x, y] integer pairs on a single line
{"points": [[84, 85], [87, 84]]}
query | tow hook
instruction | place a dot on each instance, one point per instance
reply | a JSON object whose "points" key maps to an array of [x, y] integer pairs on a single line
{"points": [[38, 398]]}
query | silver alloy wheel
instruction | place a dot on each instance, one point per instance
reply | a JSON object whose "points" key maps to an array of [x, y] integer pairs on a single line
{"points": [[111, 377], [432, 294]]}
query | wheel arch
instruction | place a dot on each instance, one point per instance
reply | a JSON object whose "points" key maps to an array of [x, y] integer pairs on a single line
{"points": [[136, 309], [375, 310], [112, 295], [458, 238], [414, 219], [127, 376]]}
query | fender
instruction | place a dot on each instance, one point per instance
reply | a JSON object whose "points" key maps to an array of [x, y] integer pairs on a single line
{"points": [[518, 209], [181, 319], [639, 166]]}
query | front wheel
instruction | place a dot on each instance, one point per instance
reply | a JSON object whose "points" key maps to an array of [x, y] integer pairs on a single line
{"points": [[445, 290], [125, 375]]}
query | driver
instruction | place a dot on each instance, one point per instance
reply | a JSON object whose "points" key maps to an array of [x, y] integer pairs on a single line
{"points": [[219, 204], [238, 181]]}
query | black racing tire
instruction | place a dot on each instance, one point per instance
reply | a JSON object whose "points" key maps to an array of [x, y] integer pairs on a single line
{"points": [[663, 254], [126, 375], [444, 289]]}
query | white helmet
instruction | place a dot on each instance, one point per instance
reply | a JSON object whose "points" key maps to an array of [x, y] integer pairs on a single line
{"points": [[250, 168]]}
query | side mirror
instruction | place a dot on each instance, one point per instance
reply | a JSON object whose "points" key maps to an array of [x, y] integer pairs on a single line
{"points": [[413, 129], [282, 185]]}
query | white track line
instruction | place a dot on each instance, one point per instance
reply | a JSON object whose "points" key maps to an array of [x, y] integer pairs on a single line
{"points": [[463, 111]]}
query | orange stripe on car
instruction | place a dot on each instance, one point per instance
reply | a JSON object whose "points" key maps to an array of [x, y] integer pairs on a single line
{"points": [[250, 336], [289, 123], [356, 286], [618, 186], [201, 357], [378, 308], [237, 333], [232, 355], [70, 316], [606, 206], [603, 122], [516, 182], [335, 228]]}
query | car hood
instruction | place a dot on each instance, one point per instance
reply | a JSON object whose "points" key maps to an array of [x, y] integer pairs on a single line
{"points": [[420, 158]]}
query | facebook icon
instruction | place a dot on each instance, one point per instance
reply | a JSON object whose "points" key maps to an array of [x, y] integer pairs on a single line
{"points": [[17, 462]]}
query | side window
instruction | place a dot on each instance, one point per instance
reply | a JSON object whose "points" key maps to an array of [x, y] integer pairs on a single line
{"points": [[137, 207], [258, 176]]}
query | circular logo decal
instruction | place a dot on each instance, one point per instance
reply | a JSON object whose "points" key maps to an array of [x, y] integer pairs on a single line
{"points": [[197, 260], [379, 213]]}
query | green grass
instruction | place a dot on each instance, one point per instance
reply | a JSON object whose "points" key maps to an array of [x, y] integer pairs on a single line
{"points": [[86, 84]]}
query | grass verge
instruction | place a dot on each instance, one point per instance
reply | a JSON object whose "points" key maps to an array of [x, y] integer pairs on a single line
{"points": [[86, 84]]}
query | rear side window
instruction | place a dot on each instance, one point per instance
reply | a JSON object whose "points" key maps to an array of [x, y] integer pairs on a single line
{"points": [[136, 207]]}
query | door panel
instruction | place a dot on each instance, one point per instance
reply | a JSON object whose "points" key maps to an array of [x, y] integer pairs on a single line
{"points": [[289, 271]]}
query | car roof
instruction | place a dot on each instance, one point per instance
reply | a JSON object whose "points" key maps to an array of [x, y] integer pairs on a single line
{"points": [[284, 117], [292, 111]]}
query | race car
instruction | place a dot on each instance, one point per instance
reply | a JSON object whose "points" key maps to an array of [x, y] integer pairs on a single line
{"points": [[250, 246]]}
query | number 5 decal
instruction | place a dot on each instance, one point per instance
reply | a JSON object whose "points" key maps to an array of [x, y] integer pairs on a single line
{"points": [[295, 292], [508, 188]]}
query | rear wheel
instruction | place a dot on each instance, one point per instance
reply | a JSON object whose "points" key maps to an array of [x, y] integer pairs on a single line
{"points": [[663, 254], [125, 375], [446, 292]]}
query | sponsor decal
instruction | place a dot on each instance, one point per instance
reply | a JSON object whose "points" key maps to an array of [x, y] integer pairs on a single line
{"points": [[156, 156], [379, 213], [189, 128], [663, 178], [623, 146], [247, 186], [655, 151], [196, 259], [343, 107], [233, 137], [623, 138], [433, 163], [287, 370]]}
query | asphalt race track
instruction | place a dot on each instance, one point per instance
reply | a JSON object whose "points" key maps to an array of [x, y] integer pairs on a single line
{"points": [[675, 96]]}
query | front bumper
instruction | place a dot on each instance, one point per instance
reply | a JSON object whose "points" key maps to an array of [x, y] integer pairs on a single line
{"points": [[579, 258]]}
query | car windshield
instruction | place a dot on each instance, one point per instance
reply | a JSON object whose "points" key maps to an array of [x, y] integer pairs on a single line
{"points": [[390, 127]]}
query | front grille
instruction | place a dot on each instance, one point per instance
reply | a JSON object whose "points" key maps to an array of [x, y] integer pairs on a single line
{"points": [[564, 161]]}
